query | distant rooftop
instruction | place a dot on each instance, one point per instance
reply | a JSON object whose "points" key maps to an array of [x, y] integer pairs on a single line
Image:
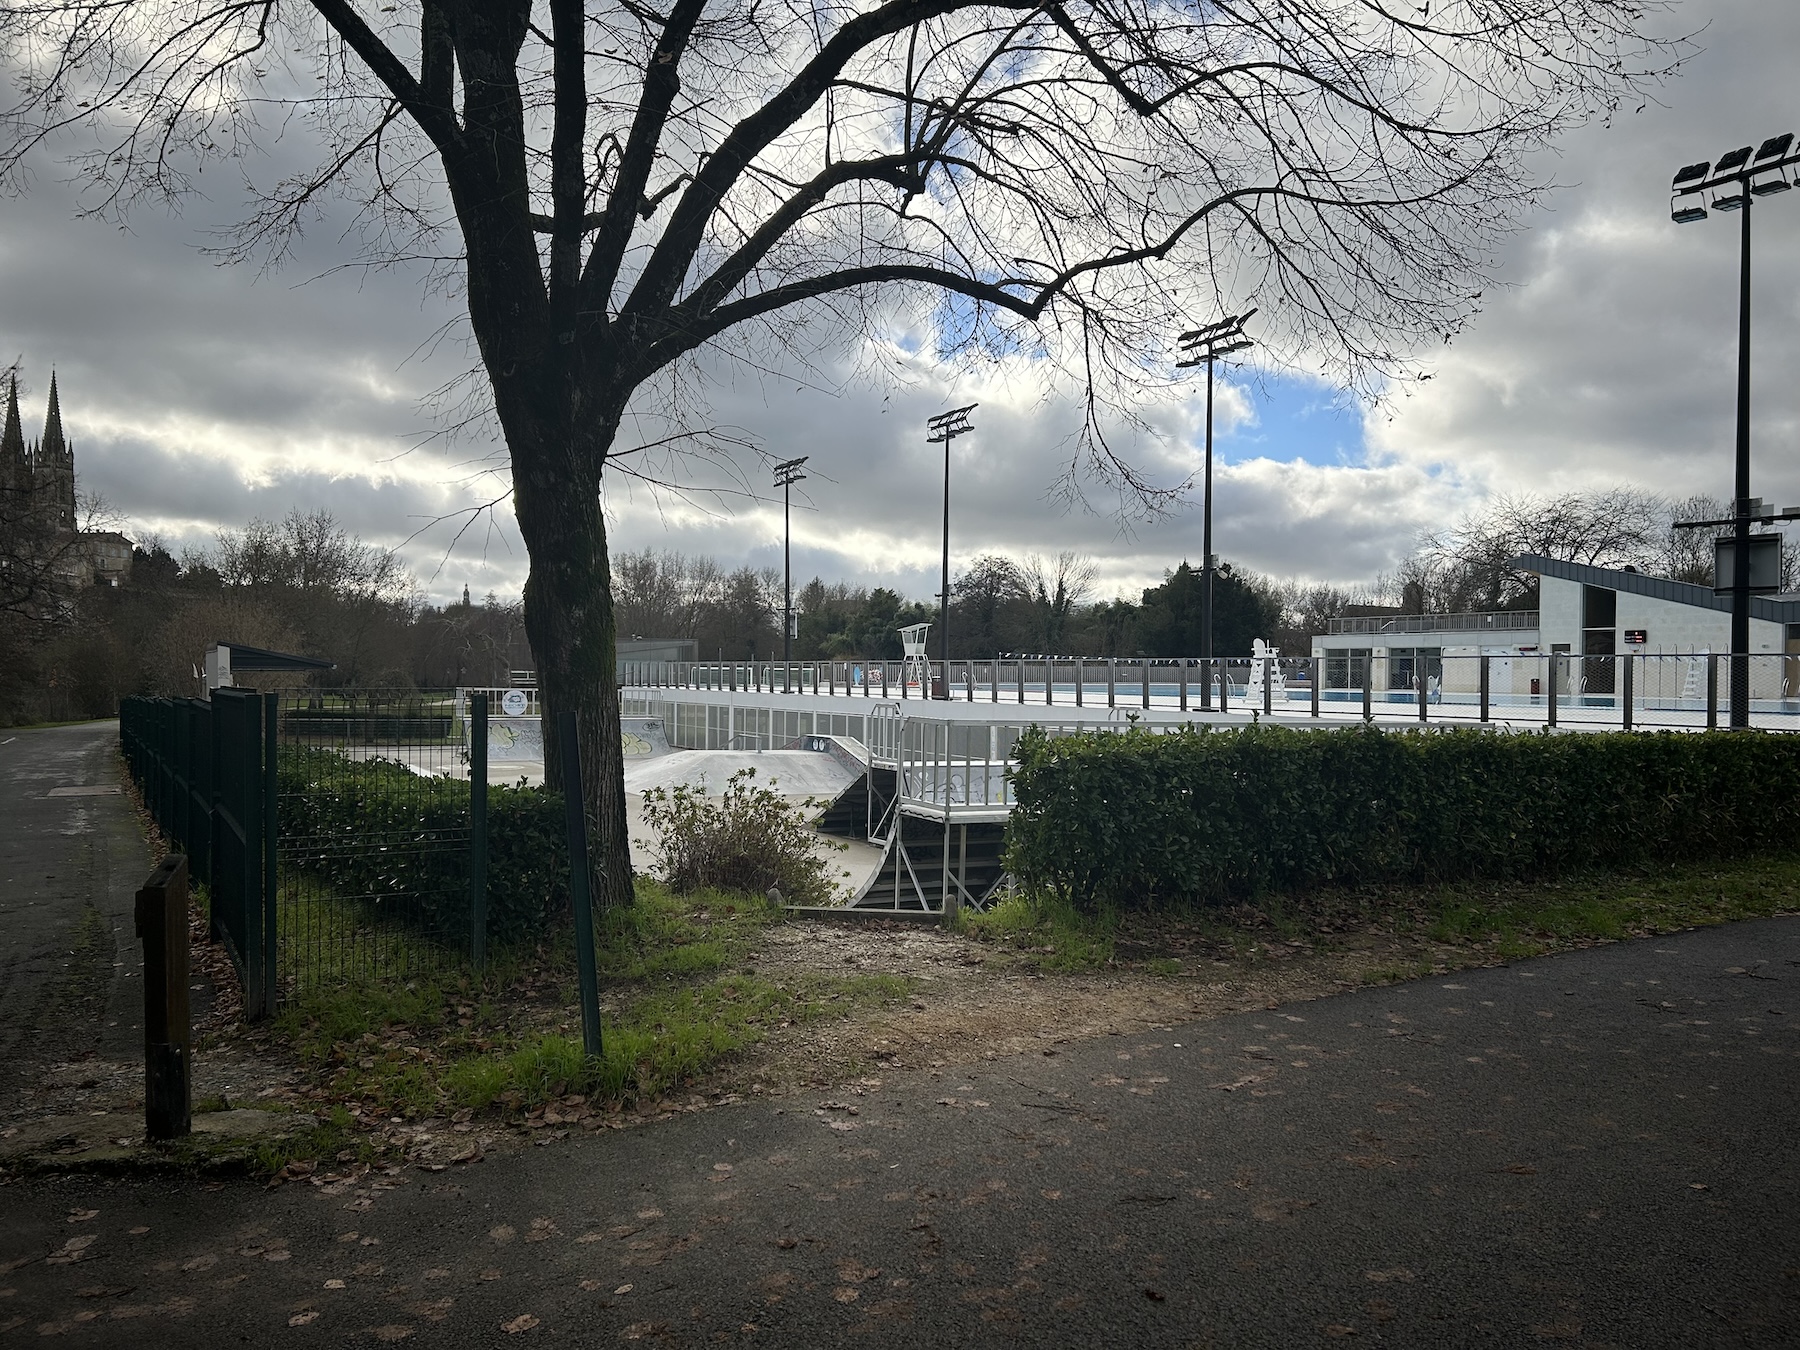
{"points": [[1486, 621]]}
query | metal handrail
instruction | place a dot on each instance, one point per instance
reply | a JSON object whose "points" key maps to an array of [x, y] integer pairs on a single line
{"points": [[1486, 621]]}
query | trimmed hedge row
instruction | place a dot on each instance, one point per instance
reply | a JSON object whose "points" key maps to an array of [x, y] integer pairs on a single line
{"points": [[1135, 818], [375, 829]]}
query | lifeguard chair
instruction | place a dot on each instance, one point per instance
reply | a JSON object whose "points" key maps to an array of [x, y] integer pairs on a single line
{"points": [[1262, 656], [916, 669]]}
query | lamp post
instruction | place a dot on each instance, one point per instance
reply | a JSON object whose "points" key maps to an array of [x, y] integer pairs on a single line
{"points": [[787, 473], [1738, 178], [946, 427], [1204, 347]]}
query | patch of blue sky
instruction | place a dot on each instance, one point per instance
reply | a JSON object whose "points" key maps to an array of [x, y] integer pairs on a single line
{"points": [[1297, 418], [961, 323]]}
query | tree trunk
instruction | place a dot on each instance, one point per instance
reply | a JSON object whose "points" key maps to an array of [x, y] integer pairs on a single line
{"points": [[569, 621]]}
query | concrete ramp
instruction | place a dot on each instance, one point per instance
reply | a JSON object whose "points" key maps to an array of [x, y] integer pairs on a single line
{"points": [[515, 740], [520, 740], [644, 738], [792, 773]]}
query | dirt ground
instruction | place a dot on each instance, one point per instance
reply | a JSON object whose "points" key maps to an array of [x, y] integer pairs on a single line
{"points": [[975, 1002]]}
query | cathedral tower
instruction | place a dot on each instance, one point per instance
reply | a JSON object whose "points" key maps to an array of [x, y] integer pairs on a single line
{"points": [[17, 492], [55, 468]]}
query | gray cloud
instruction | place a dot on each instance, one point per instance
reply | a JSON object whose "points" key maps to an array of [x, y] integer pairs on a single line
{"points": [[200, 396]]}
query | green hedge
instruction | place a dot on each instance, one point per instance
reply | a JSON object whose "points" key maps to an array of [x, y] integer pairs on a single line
{"points": [[375, 829], [1136, 818]]}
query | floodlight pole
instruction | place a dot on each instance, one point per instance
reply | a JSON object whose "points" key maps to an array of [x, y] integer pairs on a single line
{"points": [[946, 427], [1741, 508], [1206, 547], [1205, 346], [787, 473], [1738, 172]]}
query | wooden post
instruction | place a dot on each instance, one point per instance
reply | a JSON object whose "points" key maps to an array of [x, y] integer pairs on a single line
{"points": [[162, 924]]}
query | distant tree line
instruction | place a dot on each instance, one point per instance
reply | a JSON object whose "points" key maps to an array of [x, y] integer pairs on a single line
{"points": [[303, 584], [306, 585], [998, 605]]}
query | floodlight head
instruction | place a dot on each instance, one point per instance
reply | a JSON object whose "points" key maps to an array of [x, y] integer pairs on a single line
{"points": [[1735, 202], [947, 426], [1691, 173], [788, 471], [1687, 215], [1732, 161], [1218, 329], [1776, 147]]}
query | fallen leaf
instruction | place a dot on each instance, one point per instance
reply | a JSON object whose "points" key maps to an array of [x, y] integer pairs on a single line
{"points": [[1696, 1185], [1338, 1329], [847, 1295], [300, 1319], [334, 1284], [503, 1233], [1155, 1296], [392, 1332], [523, 1322], [83, 1215], [787, 1244], [623, 1289]]}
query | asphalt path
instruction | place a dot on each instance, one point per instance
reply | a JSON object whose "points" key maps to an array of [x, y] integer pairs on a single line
{"points": [[71, 860], [1592, 1149]]}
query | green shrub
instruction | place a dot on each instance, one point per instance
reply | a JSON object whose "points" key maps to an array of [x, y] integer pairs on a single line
{"points": [[374, 829], [745, 841], [1135, 818]]}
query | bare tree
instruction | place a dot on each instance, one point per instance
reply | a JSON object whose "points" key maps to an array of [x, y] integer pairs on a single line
{"points": [[1058, 587], [1471, 566], [617, 184]]}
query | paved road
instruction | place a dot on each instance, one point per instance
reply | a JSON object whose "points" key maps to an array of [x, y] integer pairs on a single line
{"points": [[70, 866], [1592, 1149]]}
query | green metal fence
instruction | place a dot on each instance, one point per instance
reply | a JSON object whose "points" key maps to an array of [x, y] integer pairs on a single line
{"points": [[377, 837], [207, 777], [338, 836]]}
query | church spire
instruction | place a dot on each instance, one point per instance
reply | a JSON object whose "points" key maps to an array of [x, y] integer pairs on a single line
{"points": [[53, 448], [12, 442], [16, 486]]}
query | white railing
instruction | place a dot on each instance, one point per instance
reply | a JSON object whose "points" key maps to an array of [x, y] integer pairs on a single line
{"points": [[1672, 689]]}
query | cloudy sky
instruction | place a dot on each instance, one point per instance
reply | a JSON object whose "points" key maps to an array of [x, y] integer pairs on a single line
{"points": [[199, 396]]}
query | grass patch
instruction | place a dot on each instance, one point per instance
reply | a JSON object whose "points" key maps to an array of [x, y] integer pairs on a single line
{"points": [[678, 999], [1049, 934], [1495, 920]]}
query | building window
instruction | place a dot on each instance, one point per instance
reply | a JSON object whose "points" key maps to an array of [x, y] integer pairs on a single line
{"points": [[1405, 664], [1599, 607], [1344, 667]]}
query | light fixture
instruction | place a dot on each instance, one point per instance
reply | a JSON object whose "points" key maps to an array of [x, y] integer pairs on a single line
{"points": [[1690, 212], [1771, 153], [1732, 162]]}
